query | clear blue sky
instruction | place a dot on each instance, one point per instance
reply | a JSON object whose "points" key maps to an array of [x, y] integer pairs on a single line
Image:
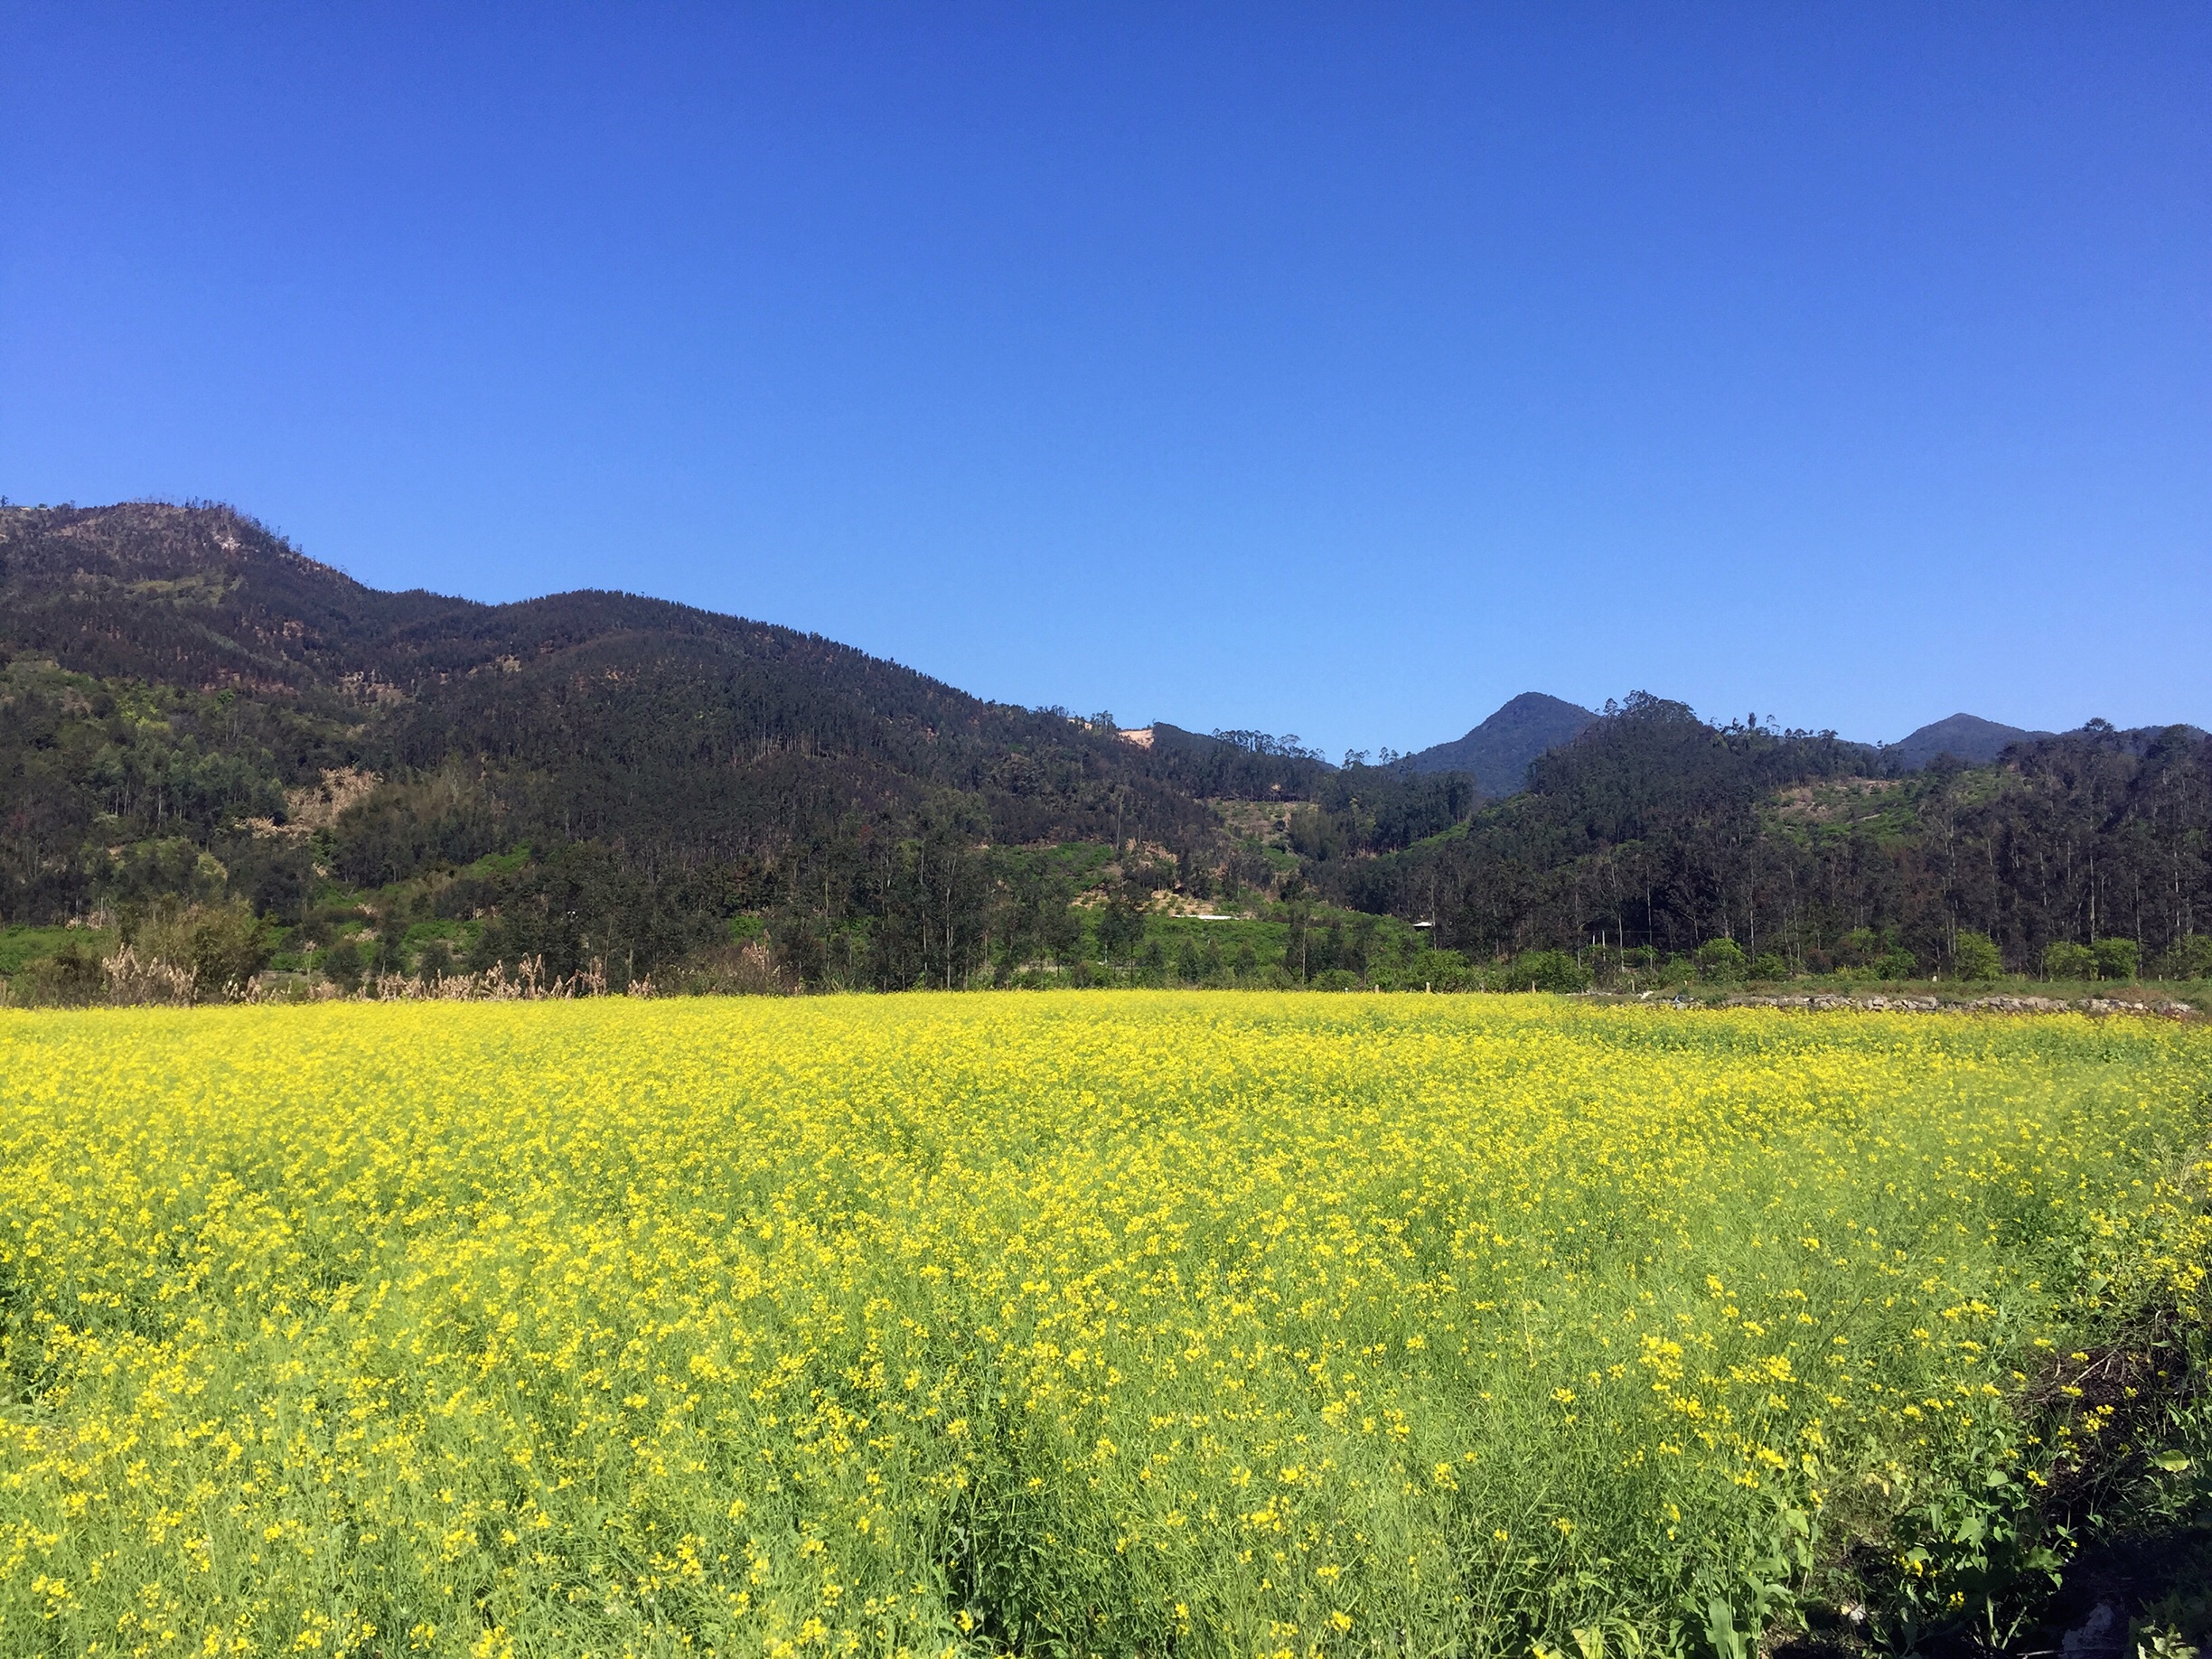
{"points": [[1339, 371]]}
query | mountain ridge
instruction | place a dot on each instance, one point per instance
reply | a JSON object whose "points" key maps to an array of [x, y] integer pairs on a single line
{"points": [[599, 777], [743, 734], [66, 572]]}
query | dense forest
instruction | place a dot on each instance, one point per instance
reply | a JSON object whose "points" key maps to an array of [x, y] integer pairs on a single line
{"points": [[203, 730], [1653, 829]]}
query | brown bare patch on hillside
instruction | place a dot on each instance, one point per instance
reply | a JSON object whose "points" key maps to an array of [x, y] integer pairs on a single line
{"points": [[1836, 798], [317, 806]]}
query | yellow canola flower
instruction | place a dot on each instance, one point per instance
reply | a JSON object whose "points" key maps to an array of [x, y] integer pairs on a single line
{"points": [[936, 1324]]}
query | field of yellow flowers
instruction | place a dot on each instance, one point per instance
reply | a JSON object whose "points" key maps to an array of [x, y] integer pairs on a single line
{"points": [[1088, 1324]]}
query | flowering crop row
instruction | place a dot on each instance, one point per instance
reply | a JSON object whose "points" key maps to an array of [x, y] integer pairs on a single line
{"points": [[1239, 1324]]}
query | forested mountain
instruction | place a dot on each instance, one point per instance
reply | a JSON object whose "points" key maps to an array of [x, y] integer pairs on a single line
{"points": [[1652, 829], [209, 681], [192, 714], [591, 714], [1497, 753], [682, 733]]}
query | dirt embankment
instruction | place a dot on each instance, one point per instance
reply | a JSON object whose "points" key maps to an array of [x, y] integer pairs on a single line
{"points": [[2161, 1007]]}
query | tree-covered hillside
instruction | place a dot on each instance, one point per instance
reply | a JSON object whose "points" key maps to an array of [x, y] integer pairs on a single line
{"points": [[1653, 830], [589, 715], [193, 708], [203, 730]]}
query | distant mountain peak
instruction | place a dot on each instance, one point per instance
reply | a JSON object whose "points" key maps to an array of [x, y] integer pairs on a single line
{"points": [[1962, 736], [1498, 751]]}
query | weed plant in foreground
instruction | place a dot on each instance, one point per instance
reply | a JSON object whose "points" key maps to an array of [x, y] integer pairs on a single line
{"points": [[1092, 1324]]}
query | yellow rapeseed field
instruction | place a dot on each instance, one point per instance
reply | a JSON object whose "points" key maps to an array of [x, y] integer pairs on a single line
{"points": [[1089, 1324]]}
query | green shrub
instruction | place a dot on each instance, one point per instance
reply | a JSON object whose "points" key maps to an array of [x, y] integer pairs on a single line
{"points": [[2117, 958], [1120, 925], [1542, 971], [70, 977], [1721, 961], [1442, 970], [1896, 963], [1975, 957], [1859, 948], [223, 945], [342, 962], [2190, 957], [2063, 960], [1767, 965]]}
